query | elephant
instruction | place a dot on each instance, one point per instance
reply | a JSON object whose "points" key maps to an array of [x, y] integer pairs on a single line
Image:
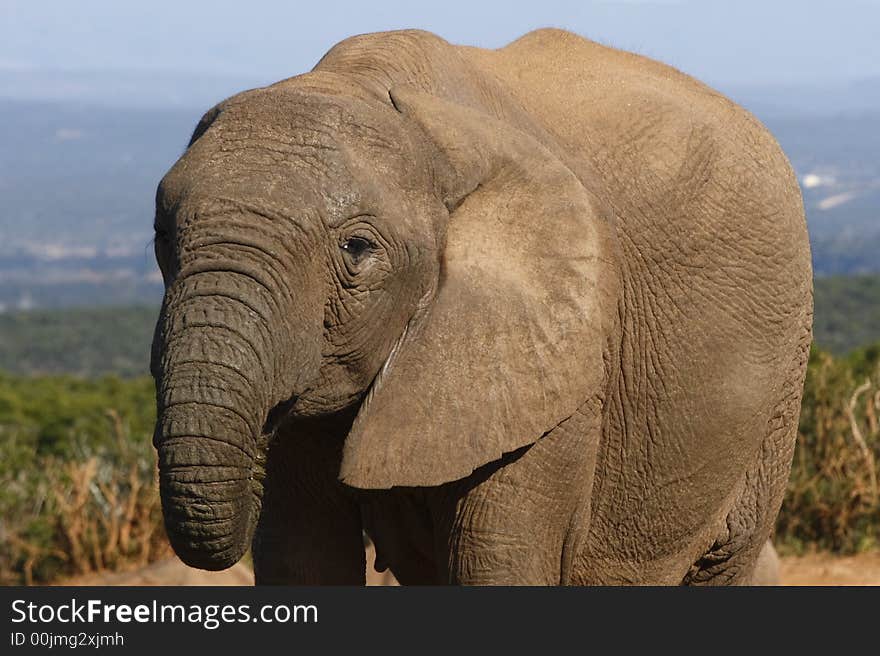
{"points": [[537, 315]]}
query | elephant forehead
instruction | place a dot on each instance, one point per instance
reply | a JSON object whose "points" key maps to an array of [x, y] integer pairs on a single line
{"points": [[309, 120], [291, 180], [248, 147], [299, 154]]}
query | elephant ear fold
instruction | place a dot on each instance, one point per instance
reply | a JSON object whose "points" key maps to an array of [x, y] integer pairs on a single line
{"points": [[513, 342]]}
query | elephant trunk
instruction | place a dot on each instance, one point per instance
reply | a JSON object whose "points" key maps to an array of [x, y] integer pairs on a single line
{"points": [[216, 379], [210, 465]]}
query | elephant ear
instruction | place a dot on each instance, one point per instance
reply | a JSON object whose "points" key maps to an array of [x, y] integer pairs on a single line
{"points": [[512, 343]]}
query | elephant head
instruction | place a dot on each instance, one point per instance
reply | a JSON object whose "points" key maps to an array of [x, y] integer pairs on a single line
{"points": [[424, 264]]}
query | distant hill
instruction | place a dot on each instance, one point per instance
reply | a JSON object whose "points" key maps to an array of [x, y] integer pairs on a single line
{"points": [[78, 184], [842, 97], [83, 342], [114, 88], [116, 340], [847, 312], [76, 179], [838, 162]]}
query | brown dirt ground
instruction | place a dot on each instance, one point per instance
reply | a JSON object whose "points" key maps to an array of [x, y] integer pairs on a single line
{"points": [[172, 571], [825, 569], [812, 569]]}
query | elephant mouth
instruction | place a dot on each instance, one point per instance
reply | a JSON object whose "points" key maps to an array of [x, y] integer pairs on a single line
{"points": [[275, 418]]}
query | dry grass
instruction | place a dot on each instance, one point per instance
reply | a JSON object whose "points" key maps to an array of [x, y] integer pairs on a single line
{"points": [[94, 506], [86, 518], [832, 500]]}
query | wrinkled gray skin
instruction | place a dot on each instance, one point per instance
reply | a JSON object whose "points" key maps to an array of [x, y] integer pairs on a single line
{"points": [[537, 315]]}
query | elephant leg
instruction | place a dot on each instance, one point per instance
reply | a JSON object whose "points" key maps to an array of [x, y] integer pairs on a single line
{"points": [[742, 554], [400, 526], [521, 520], [309, 531]]}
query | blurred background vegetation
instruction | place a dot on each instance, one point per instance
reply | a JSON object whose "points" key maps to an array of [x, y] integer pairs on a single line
{"points": [[832, 500], [77, 468], [78, 490]]}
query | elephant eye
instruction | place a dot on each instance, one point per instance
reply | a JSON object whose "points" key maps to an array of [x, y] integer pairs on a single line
{"points": [[357, 248]]}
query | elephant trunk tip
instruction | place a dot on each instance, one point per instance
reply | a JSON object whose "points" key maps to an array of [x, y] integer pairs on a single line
{"points": [[197, 558], [209, 545], [210, 510]]}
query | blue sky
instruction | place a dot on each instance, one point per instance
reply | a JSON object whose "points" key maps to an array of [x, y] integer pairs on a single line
{"points": [[748, 41]]}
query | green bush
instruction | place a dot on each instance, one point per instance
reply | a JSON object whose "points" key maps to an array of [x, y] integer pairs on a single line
{"points": [[847, 313], [77, 477], [832, 498], [87, 342], [78, 489]]}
